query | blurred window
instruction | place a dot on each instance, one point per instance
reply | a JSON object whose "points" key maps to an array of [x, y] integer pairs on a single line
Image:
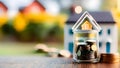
{"points": [[100, 33], [108, 31], [70, 47], [100, 44], [108, 45], [70, 32]]}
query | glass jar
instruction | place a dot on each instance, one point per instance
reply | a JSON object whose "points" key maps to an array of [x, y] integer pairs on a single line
{"points": [[86, 47]]}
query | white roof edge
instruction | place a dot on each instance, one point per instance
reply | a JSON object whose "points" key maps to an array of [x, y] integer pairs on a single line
{"points": [[84, 15], [74, 26], [97, 26], [80, 22]]}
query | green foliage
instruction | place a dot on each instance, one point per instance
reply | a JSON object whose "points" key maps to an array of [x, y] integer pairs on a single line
{"points": [[40, 32]]}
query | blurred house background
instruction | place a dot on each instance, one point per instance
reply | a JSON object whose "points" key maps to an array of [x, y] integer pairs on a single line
{"points": [[43, 21], [33, 20]]}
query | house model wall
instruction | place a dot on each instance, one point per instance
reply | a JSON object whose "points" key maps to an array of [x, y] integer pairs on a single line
{"points": [[107, 36]]}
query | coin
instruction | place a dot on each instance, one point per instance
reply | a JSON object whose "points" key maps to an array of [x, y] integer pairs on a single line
{"points": [[94, 47], [109, 58], [64, 53], [78, 9]]}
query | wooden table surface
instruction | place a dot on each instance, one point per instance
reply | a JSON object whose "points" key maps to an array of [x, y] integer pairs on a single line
{"points": [[46, 62]]}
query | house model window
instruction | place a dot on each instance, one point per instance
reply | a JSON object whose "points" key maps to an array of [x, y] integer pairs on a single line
{"points": [[108, 46], [100, 33], [86, 26], [108, 31], [100, 44], [70, 32]]}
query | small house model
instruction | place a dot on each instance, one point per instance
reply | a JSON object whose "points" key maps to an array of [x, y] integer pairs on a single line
{"points": [[85, 39], [108, 42]]}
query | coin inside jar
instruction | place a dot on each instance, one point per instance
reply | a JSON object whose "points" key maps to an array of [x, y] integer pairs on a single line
{"points": [[84, 52], [92, 44]]}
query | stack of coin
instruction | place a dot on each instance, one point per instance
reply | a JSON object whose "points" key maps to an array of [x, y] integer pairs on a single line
{"points": [[109, 58], [64, 53]]}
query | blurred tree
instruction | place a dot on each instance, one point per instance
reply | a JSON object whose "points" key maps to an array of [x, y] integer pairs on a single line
{"points": [[108, 4], [20, 22]]}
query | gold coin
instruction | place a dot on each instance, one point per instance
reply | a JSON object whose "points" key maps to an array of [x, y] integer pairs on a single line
{"points": [[109, 58], [94, 47], [78, 9]]}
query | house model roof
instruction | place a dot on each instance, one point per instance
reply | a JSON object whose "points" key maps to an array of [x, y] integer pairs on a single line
{"points": [[81, 20], [102, 17]]}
